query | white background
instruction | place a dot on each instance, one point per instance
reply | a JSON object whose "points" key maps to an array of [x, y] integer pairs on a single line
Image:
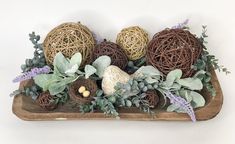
{"points": [[106, 18]]}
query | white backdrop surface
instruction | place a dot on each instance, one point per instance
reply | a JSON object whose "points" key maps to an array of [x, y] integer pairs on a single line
{"points": [[106, 18]]}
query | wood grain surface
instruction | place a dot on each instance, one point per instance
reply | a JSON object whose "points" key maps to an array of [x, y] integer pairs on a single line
{"points": [[24, 108]]}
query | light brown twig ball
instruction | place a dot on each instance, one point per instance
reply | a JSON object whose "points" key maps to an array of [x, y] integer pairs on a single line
{"points": [[69, 38], [134, 41]]}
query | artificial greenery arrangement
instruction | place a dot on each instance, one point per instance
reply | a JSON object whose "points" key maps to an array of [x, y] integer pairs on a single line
{"points": [[170, 77]]}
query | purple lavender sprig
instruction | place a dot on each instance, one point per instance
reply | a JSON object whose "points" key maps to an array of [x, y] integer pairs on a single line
{"points": [[32, 73], [181, 25], [182, 103]]}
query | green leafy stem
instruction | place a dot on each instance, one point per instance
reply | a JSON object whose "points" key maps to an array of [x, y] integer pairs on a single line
{"points": [[205, 63], [38, 60], [67, 71], [132, 93]]}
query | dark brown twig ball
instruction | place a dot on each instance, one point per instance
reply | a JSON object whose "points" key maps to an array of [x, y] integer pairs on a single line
{"points": [[114, 51], [174, 49], [46, 101], [88, 84], [152, 97]]}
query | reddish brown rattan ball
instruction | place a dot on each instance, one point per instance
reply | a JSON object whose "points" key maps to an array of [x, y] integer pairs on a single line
{"points": [[114, 51], [90, 86], [152, 97], [46, 101], [174, 49]]}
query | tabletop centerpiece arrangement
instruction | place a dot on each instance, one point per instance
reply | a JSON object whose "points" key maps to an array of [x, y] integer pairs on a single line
{"points": [[166, 73]]}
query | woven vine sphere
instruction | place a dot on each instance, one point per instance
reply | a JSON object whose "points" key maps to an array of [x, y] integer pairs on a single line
{"points": [[134, 41], [152, 97], [112, 50], [174, 49], [46, 101], [69, 38]]}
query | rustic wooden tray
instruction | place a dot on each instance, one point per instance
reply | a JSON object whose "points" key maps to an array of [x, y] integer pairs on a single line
{"points": [[26, 109]]}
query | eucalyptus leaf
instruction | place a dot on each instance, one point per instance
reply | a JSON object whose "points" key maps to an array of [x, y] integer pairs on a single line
{"points": [[89, 70], [147, 70], [191, 83], [175, 86], [101, 64], [61, 63], [15, 93], [44, 80], [57, 72], [172, 108], [198, 99], [180, 110], [76, 59], [56, 88], [72, 70], [34, 96], [186, 94], [151, 80], [136, 102], [201, 72], [207, 79], [80, 72], [68, 80], [128, 103], [56, 78], [99, 92], [172, 76]]}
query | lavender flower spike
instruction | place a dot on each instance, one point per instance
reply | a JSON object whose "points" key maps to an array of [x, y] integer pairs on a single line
{"points": [[32, 73], [182, 103], [181, 25]]}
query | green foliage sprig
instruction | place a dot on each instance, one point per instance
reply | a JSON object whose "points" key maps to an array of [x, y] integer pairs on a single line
{"points": [[67, 71], [62, 97], [205, 63], [133, 66], [38, 60], [33, 91], [184, 87], [126, 95], [101, 102], [132, 93]]}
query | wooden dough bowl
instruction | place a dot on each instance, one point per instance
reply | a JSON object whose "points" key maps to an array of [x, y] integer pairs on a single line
{"points": [[26, 109]]}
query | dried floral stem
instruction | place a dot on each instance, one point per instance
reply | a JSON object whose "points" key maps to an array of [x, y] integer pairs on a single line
{"points": [[182, 103], [32, 73]]}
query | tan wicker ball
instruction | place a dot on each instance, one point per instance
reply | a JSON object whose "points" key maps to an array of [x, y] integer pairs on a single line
{"points": [[134, 41], [174, 49], [89, 84], [69, 38]]}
